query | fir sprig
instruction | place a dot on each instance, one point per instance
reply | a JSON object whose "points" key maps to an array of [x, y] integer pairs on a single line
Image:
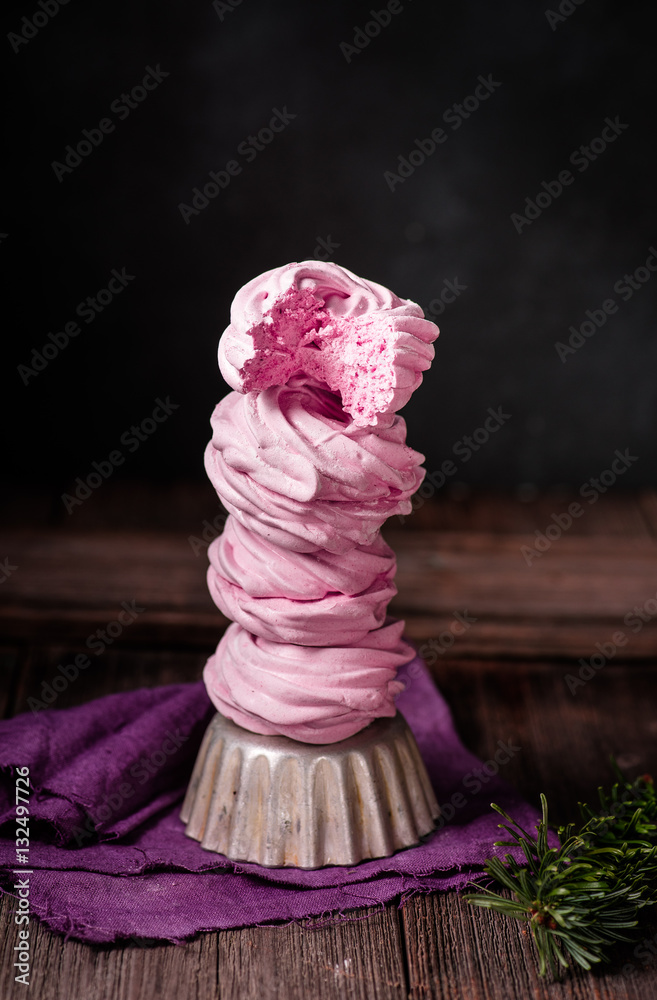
{"points": [[580, 898]]}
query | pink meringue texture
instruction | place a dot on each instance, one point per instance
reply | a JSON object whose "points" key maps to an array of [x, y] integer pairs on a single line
{"points": [[309, 693], [293, 467], [321, 320], [309, 458], [329, 600]]}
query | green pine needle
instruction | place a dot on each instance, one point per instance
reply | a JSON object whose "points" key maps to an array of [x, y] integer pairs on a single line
{"points": [[579, 899]]}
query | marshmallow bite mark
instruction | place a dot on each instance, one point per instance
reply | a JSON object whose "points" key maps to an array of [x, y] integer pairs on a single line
{"points": [[359, 357]]}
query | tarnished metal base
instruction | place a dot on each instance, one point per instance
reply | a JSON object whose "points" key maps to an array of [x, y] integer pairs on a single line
{"points": [[279, 803]]}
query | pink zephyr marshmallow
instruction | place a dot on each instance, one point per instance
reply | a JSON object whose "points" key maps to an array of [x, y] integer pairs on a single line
{"points": [[309, 693], [286, 596], [291, 466], [309, 456], [320, 320]]}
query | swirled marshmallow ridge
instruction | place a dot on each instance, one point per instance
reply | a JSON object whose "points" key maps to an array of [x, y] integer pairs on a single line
{"points": [[318, 319]]}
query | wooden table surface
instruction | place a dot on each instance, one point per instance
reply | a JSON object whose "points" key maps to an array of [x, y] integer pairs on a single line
{"points": [[504, 679]]}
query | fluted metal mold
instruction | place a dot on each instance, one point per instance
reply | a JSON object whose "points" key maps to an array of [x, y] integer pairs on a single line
{"points": [[280, 803]]}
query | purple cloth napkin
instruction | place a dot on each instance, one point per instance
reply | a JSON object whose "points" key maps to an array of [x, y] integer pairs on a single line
{"points": [[109, 856]]}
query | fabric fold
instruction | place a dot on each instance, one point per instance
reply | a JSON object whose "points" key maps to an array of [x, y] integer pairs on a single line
{"points": [[109, 856]]}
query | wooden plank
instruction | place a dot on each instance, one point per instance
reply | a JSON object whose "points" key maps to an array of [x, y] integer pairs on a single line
{"points": [[357, 958], [119, 504], [114, 671], [464, 509], [12, 660], [566, 738], [491, 702], [488, 637], [452, 950], [647, 503], [61, 970], [64, 969], [70, 584], [577, 577], [519, 640], [575, 594], [360, 959], [153, 628], [565, 743], [457, 951], [87, 571], [184, 507], [578, 593]]}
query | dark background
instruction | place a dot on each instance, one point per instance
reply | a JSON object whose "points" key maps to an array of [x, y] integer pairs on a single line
{"points": [[323, 177]]}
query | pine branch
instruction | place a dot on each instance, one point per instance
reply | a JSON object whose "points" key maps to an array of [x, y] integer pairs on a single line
{"points": [[580, 898]]}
